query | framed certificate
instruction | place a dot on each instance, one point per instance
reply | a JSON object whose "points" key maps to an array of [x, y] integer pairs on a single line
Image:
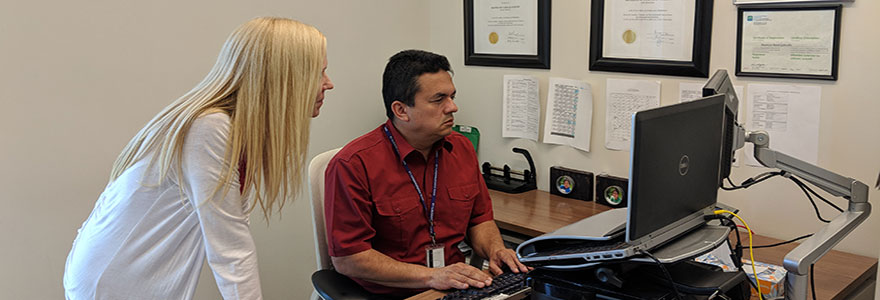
{"points": [[669, 37], [788, 42], [507, 33], [762, 2]]}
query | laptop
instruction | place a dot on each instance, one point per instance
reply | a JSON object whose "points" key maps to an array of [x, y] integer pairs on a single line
{"points": [[675, 160]]}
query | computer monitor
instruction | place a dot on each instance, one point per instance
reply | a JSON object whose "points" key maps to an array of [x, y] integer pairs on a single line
{"points": [[674, 168], [719, 84]]}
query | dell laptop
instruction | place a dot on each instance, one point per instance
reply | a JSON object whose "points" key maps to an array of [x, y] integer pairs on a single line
{"points": [[674, 170]]}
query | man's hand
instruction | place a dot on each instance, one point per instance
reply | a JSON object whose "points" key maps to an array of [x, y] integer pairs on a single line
{"points": [[505, 257], [487, 243], [459, 276]]}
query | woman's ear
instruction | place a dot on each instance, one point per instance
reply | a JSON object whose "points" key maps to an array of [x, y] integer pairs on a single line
{"points": [[399, 109]]}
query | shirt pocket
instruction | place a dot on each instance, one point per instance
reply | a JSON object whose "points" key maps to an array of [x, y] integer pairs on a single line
{"points": [[397, 221], [462, 199], [466, 192]]}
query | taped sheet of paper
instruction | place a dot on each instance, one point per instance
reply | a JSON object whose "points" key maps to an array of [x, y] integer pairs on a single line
{"points": [[690, 91], [790, 114], [521, 108], [623, 98], [569, 114]]}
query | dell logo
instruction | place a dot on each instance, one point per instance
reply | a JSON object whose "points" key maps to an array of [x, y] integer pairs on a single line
{"points": [[683, 165]]}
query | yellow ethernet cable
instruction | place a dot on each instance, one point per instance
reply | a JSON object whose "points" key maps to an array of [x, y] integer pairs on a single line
{"points": [[751, 253]]}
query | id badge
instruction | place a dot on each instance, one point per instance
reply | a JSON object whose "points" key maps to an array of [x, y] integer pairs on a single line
{"points": [[435, 256]]}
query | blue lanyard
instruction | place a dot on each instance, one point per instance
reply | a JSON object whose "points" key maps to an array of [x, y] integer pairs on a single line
{"points": [[416, 184]]}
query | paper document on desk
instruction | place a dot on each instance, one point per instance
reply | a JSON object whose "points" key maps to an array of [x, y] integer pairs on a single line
{"points": [[521, 108], [569, 116], [790, 114], [623, 98]]}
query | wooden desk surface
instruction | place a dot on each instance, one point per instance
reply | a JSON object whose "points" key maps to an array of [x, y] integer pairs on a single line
{"points": [[537, 212], [534, 213], [837, 273]]}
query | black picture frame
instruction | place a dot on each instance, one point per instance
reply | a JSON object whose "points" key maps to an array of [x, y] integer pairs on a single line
{"points": [[837, 8], [786, 2], [539, 61], [698, 66]]}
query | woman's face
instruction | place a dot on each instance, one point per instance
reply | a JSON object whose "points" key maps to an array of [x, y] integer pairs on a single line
{"points": [[326, 84]]}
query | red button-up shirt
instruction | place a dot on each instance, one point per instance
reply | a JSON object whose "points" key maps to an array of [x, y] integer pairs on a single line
{"points": [[371, 203]]}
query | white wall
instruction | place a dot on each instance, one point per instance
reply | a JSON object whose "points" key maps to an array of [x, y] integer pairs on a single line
{"points": [[80, 78], [849, 134]]}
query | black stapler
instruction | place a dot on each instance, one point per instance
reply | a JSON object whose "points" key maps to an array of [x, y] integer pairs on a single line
{"points": [[505, 182]]}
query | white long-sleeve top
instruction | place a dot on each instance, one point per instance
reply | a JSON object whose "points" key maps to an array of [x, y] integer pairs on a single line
{"points": [[145, 240]]}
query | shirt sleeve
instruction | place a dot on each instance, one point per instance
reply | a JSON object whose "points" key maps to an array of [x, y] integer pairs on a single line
{"points": [[348, 207], [223, 217]]}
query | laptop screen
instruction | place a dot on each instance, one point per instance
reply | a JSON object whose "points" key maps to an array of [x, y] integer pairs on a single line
{"points": [[674, 168]]}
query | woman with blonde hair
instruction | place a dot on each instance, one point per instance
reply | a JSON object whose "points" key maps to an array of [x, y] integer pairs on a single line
{"points": [[183, 188]]}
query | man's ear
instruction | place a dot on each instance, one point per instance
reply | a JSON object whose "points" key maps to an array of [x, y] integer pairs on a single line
{"points": [[399, 109]]}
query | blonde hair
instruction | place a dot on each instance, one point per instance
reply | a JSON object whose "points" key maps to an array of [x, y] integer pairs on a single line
{"points": [[266, 78]]}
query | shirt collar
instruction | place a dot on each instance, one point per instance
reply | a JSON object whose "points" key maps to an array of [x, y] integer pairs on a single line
{"points": [[406, 149]]}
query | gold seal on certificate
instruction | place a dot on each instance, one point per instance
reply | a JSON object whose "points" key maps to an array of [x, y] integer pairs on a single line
{"points": [[629, 36], [493, 38]]}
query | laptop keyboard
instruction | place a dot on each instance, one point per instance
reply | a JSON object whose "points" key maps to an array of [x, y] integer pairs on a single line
{"points": [[595, 248], [587, 247]]}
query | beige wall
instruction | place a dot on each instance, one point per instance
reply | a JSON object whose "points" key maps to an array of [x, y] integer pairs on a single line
{"points": [[849, 134], [79, 79]]}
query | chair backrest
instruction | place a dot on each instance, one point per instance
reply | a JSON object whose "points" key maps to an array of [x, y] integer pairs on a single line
{"points": [[316, 189]]}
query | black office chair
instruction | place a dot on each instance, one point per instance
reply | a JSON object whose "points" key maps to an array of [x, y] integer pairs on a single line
{"points": [[330, 285]]}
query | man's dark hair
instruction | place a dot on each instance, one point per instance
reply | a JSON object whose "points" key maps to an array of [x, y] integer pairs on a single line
{"points": [[400, 80]]}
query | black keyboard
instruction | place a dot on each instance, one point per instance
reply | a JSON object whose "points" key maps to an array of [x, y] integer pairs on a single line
{"points": [[508, 283]]}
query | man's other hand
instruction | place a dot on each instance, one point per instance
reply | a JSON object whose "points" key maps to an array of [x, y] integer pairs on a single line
{"points": [[459, 276], [505, 257]]}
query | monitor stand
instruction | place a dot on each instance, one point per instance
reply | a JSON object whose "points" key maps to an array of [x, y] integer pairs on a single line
{"points": [[696, 242]]}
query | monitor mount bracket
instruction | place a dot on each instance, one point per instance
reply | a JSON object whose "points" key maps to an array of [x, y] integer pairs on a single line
{"points": [[798, 261]]}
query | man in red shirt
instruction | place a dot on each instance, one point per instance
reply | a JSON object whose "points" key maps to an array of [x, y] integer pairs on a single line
{"points": [[400, 198]]}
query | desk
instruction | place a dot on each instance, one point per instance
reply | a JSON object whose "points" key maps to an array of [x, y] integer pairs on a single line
{"points": [[534, 213], [537, 212], [838, 274]]}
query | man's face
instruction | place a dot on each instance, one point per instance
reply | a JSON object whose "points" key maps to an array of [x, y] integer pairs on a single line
{"points": [[433, 106]]}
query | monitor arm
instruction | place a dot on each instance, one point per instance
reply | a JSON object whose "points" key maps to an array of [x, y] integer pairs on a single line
{"points": [[798, 261]]}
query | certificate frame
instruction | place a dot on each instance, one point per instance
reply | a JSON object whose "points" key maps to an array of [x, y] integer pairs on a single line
{"points": [[797, 2], [835, 47], [697, 66], [539, 61]]}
